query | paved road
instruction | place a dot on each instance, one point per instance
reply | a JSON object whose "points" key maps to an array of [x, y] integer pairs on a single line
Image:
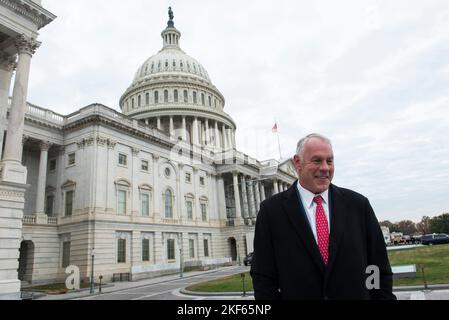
{"points": [[169, 290]]}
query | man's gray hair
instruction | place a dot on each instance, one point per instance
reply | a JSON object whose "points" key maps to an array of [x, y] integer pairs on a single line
{"points": [[303, 141]]}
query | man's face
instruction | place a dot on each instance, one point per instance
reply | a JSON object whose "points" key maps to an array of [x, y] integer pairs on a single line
{"points": [[316, 169]]}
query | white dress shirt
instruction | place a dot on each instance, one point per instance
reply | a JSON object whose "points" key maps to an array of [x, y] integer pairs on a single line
{"points": [[310, 206]]}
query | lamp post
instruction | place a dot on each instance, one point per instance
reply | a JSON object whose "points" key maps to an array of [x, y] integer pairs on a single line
{"points": [[92, 254], [238, 255], [181, 258], [181, 262]]}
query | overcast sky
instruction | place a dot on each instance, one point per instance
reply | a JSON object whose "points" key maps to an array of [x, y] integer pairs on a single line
{"points": [[371, 75]]}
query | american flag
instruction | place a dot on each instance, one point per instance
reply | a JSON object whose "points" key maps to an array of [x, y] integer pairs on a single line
{"points": [[275, 128]]}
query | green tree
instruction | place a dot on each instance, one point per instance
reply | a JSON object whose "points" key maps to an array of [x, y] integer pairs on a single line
{"points": [[440, 224], [423, 227], [407, 227]]}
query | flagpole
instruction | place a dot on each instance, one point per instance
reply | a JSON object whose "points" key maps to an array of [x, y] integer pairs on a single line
{"points": [[279, 142]]}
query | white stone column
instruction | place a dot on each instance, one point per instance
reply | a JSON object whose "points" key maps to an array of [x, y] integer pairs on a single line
{"points": [[195, 131], [42, 178], [59, 181], [200, 133], [207, 132], [279, 186], [136, 248], [251, 199], [217, 135], [13, 176], [7, 65], [257, 193], [275, 186], [233, 139], [172, 127], [136, 208], [262, 192], [159, 254], [221, 203], [244, 197], [238, 208], [159, 125], [229, 135], [13, 171], [184, 128], [156, 188], [223, 134], [196, 203], [180, 191]]}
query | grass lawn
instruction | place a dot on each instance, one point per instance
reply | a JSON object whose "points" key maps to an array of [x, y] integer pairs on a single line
{"points": [[229, 284], [434, 258]]}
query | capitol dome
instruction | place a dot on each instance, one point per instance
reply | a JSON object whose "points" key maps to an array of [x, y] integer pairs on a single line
{"points": [[171, 60], [173, 92]]}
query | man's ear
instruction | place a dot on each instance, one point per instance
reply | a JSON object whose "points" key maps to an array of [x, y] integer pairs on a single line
{"points": [[296, 162]]}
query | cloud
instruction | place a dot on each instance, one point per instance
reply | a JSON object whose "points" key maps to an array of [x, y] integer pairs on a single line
{"points": [[372, 75]]}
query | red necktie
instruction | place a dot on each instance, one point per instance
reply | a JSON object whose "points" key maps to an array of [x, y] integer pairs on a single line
{"points": [[322, 229]]}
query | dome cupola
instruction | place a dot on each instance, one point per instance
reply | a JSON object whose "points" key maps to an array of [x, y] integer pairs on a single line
{"points": [[173, 92]]}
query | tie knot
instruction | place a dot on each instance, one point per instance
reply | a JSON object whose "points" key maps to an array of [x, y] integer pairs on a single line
{"points": [[318, 200]]}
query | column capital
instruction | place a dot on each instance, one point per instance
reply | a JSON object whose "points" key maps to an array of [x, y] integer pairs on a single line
{"points": [[25, 139], [45, 145], [111, 144], [102, 141], [135, 151], [8, 62], [26, 45]]}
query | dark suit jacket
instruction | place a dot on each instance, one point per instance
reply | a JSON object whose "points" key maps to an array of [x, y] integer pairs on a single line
{"points": [[287, 263]]}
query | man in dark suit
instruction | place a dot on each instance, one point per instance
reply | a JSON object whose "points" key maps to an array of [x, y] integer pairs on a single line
{"points": [[316, 240]]}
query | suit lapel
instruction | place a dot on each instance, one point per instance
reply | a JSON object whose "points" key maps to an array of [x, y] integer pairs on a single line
{"points": [[338, 211], [297, 216]]}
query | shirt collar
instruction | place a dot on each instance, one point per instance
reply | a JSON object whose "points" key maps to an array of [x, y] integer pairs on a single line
{"points": [[308, 196]]}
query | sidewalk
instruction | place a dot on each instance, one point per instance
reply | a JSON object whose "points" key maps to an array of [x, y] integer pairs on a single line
{"points": [[120, 286]]}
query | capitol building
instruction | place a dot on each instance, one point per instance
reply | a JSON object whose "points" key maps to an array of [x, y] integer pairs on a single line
{"points": [[140, 192]]}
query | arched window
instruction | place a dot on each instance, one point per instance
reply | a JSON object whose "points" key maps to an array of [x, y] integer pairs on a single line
{"points": [[165, 95], [176, 95], [194, 97], [186, 96], [210, 101], [156, 96], [168, 204], [147, 98], [203, 102], [132, 103], [139, 101]]}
